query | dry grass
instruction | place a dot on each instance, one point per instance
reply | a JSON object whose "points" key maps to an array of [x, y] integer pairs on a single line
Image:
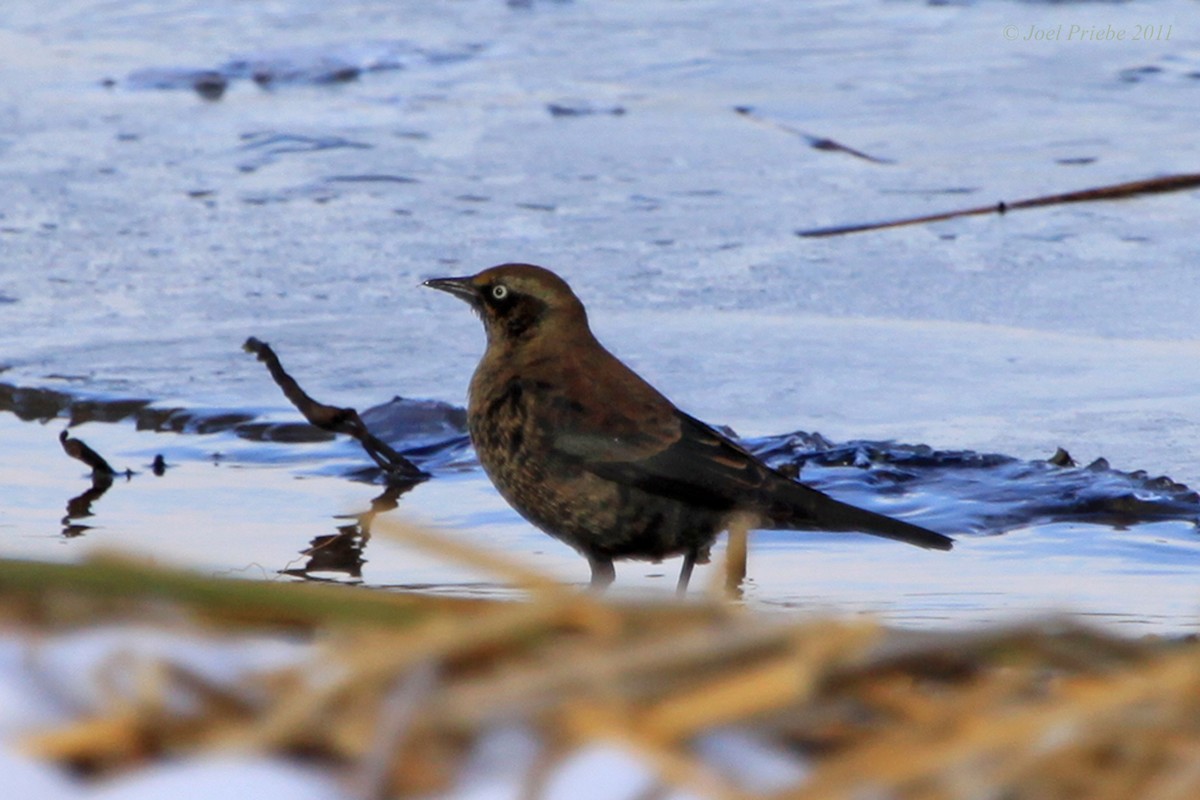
{"points": [[401, 685]]}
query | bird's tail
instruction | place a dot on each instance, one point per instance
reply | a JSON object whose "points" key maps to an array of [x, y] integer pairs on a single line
{"points": [[799, 507]]}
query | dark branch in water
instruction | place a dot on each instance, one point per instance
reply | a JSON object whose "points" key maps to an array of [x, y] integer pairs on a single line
{"points": [[815, 142], [1116, 191], [78, 449], [335, 419]]}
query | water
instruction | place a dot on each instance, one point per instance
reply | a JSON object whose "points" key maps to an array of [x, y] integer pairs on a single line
{"points": [[146, 232]]}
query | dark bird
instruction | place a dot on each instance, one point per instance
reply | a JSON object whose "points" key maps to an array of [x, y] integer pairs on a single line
{"points": [[595, 456]]}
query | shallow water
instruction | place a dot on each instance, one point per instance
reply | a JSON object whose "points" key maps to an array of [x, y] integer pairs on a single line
{"points": [[146, 232]]}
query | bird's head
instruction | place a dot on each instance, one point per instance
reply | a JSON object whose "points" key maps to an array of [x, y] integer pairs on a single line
{"points": [[517, 301]]}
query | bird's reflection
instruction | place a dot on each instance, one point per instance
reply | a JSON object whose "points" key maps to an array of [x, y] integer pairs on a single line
{"points": [[342, 552]]}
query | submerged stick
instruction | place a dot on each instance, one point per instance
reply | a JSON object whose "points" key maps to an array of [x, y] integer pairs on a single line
{"points": [[1116, 191], [335, 419], [815, 142]]}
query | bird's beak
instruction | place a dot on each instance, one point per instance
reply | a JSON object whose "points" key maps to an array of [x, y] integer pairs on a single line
{"points": [[462, 288]]}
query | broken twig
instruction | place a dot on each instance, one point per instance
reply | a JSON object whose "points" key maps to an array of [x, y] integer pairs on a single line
{"points": [[815, 142], [335, 419]]}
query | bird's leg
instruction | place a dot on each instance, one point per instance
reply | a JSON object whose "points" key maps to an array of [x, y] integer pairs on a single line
{"points": [[685, 572], [602, 572]]}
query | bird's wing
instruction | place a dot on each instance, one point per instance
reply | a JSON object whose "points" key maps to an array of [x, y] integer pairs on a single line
{"points": [[655, 447], [702, 467], [618, 427], [663, 451]]}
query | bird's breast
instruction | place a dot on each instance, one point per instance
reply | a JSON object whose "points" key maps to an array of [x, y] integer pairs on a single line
{"points": [[512, 434], [517, 423]]}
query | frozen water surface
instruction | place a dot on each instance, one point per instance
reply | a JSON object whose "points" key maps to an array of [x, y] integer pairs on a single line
{"points": [[352, 151]]}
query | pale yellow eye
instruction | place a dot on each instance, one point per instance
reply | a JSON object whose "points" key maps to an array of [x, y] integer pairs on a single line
{"points": [[499, 291]]}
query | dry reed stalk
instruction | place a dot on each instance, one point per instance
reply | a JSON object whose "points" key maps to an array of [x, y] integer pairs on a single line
{"points": [[118, 579], [1032, 713], [745, 690], [634, 671], [445, 546], [736, 550], [359, 663], [1181, 782], [100, 741], [589, 609], [398, 709], [978, 734]]}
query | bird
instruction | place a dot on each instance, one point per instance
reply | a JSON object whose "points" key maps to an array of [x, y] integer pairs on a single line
{"points": [[589, 452]]}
